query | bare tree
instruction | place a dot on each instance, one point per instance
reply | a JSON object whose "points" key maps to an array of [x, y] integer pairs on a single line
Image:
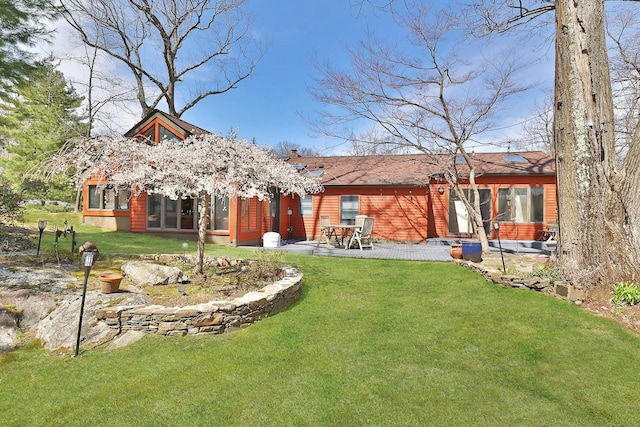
{"points": [[422, 100], [599, 206], [204, 46], [538, 129], [623, 30], [102, 91], [283, 149]]}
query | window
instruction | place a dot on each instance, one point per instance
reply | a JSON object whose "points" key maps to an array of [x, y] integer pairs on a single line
{"points": [[122, 199], [221, 213], [154, 211], [515, 158], [521, 204], [314, 174], [108, 198], [166, 134], [95, 196], [183, 214], [349, 208], [170, 213], [306, 206]]}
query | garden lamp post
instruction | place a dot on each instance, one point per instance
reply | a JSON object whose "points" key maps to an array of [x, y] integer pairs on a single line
{"points": [[496, 226], [42, 224], [88, 260]]}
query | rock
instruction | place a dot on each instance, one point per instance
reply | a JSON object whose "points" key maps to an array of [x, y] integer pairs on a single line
{"points": [[125, 339], [45, 302], [9, 321], [141, 273], [60, 328]]}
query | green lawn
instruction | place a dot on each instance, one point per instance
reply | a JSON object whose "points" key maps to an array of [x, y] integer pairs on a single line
{"points": [[370, 342]]}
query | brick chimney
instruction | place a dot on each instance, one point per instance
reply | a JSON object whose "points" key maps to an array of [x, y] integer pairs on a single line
{"points": [[294, 154]]}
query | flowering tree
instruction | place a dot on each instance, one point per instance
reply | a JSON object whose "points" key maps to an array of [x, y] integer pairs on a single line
{"points": [[201, 165]]}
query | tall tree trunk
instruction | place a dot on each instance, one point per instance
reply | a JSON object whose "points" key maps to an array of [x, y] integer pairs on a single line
{"points": [[203, 223], [593, 246], [476, 213]]}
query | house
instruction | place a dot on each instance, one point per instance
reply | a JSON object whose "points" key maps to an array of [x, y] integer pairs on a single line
{"points": [[405, 193], [412, 202], [235, 222]]}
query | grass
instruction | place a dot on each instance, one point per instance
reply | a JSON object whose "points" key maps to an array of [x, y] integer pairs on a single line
{"points": [[370, 342]]}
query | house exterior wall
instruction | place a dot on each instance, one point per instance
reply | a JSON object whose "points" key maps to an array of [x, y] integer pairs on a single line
{"points": [[401, 213], [413, 214]]}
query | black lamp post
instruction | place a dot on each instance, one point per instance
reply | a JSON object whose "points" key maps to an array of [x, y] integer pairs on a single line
{"points": [[42, 224], [88, 260], [496, 226]]}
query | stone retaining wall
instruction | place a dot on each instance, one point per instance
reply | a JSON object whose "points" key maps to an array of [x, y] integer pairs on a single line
{"points": [[214, 317], [558, 288]]}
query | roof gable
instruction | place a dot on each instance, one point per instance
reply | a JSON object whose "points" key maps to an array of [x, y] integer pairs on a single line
{"points": [[175, 125]]}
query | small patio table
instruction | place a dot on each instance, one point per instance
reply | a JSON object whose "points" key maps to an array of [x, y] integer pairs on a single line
{"points": [[346, 230]]}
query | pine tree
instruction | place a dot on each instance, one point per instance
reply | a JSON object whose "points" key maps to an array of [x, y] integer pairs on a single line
{"points": [[35, 122], [22, 22]]}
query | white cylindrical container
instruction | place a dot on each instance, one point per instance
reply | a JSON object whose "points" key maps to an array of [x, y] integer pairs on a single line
{"points": [[271, 240]]}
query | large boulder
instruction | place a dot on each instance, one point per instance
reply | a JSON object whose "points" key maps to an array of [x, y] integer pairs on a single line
{"points": [[60, 328], [27, 296], [148, 273], [45, 303]]}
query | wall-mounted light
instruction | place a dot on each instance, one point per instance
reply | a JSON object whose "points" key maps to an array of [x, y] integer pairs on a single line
{"points": [[289, 212], [441, 190]]}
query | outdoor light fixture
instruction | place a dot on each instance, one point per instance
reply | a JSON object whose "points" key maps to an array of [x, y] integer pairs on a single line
{"points": [[88, 260], [289, 212], [441, 190], [42, 224], [496, 226]]}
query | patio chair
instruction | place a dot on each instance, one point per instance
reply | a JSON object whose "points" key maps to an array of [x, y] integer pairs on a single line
{"points": [[363, 234], [326, 230], [359, 220]]}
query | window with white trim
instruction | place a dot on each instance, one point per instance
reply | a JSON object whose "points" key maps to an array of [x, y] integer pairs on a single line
{"points": [[306, 206], [349, 208], [521, 204]]}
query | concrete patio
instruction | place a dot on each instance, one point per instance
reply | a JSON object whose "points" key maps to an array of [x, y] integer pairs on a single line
{"points": [[433, 250]]}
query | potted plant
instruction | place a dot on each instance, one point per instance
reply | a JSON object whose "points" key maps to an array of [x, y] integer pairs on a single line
{"points": [[110, 282], [472, 251], [456, 251]]}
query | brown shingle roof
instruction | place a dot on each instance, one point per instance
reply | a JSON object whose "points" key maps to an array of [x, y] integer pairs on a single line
{"points": [[415, 169]]}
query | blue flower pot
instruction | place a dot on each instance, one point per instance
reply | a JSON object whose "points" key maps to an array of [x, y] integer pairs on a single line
{"points": [[472, 252]]}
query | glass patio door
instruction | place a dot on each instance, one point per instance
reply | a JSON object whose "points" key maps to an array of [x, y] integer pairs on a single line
{"points": [[459, 217]]}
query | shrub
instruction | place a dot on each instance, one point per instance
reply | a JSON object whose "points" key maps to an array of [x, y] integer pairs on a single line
{"points": [[551, 273], [10, 201], [626, 293]]}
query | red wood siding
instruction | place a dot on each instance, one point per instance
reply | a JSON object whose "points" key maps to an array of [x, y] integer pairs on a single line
{"points": [[138, 207], [416, 213]]}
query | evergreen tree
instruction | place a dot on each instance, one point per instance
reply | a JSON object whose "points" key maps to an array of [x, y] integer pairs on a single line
{"points": [[22, 22], [34, 123]]}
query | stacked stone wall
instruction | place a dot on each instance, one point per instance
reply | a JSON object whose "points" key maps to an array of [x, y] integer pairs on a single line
{"points": [[558, 288], [214, 317]]}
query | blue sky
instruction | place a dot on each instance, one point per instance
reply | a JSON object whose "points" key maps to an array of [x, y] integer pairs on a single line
{"points": [[268, 106], [273, 104]]}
